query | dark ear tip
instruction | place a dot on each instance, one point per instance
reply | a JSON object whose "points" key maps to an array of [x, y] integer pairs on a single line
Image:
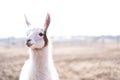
{"points": [[48, 16], [24, 15], [27, 22], [47, 21]]}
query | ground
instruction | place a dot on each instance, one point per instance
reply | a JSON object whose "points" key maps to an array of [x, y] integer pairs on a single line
{"points": [[79, 61]]}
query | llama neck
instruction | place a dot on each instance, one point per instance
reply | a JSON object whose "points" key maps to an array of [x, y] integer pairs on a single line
{"points": [[42, 64], [41, 56]]}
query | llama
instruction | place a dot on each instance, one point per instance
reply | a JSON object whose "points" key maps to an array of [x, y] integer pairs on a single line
{"points": [[40, 64]]}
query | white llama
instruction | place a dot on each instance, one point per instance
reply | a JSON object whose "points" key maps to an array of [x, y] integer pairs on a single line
{"points": [[40, 64]]}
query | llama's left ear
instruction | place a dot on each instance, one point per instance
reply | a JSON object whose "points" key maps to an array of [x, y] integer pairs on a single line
{"points": [[27, 22], [47, 22]]}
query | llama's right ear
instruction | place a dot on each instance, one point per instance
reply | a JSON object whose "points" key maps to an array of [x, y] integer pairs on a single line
{"points": [[47, 22], [27, 22]]}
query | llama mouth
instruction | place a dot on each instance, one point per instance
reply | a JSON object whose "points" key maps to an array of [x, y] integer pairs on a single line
{"points": [[29, 44]]}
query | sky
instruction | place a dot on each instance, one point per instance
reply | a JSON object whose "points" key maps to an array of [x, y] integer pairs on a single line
{"points": [[68, 17]]}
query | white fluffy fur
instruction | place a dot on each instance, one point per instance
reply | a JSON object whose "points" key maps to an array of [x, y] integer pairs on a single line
{"points": [[40, 64]]}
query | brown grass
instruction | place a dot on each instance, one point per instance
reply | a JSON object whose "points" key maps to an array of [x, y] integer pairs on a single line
{"points": [[73, 61]]}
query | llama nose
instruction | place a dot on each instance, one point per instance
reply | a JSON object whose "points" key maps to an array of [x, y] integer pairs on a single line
{"points": [[28, 43], [28, 40]]}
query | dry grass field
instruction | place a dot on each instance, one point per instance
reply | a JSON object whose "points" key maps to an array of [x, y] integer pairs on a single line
{"points": [[82, 61]]}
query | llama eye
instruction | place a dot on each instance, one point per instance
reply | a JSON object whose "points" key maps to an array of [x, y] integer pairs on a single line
{"points": [[40, 34]]}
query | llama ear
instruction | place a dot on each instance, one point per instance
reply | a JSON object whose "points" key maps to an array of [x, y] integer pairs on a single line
{"points": [[27, 22], [47, 22]]}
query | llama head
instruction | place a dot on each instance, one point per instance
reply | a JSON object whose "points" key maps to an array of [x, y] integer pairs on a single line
{"points": [[36, 37]]}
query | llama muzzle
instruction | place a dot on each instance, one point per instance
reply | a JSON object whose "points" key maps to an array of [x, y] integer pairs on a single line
{"points": [[28, 43]]}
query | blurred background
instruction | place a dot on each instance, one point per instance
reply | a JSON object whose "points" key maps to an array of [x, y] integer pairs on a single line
{"points": [[85, 35]]}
